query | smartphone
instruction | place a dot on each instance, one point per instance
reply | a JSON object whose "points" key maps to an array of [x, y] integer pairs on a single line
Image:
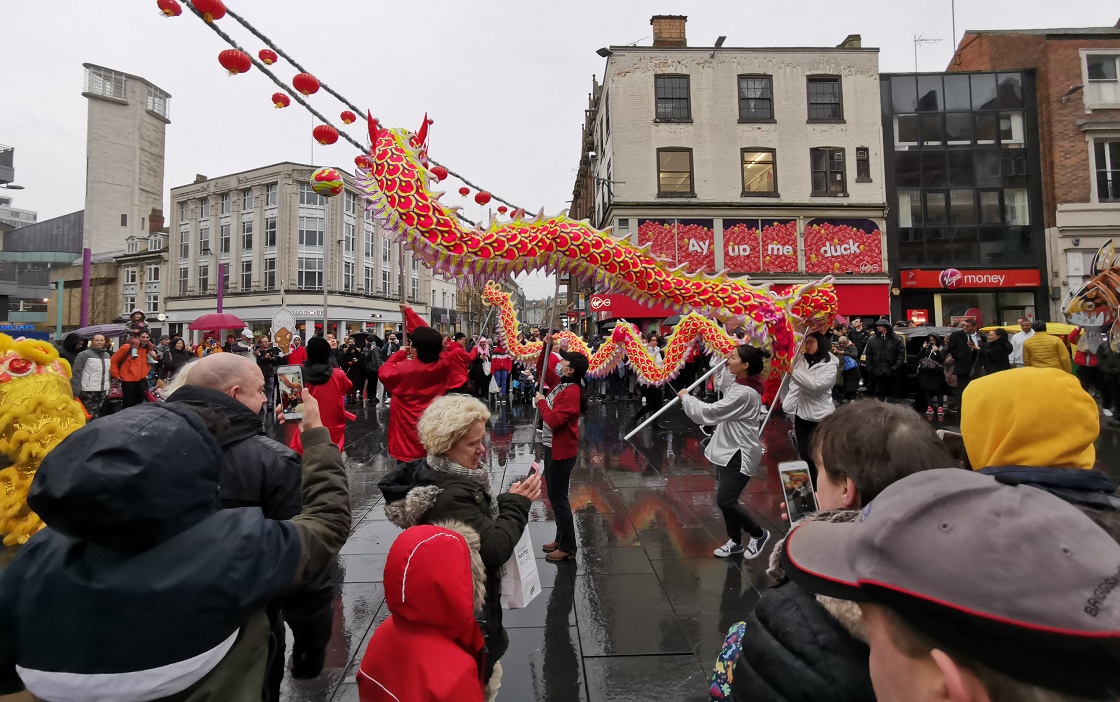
{"points": [[797, 486], [534, 469], [289, 381]]}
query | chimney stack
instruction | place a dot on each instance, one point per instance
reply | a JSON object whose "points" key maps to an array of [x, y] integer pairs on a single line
{"points": [[155, 221], [668, 30], [853, 41]]}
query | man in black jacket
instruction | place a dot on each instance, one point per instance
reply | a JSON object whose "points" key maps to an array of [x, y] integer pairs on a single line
{"points": [[964, 346], [267, 355], [260, 472], [885, 358]]}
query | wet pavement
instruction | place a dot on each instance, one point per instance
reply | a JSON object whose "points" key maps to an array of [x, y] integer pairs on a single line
{"points": [[642, 612]]}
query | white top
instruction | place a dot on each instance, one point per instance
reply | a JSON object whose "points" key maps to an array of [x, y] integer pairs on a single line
{"points": [[1017, 340], [735, 416], [808, 394]]}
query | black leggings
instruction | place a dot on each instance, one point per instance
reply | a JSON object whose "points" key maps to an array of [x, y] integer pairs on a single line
{"points": [[732, 482], [803, 431], [654, 401], [557, 477]]}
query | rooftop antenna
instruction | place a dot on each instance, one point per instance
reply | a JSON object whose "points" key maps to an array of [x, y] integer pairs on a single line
{"points": [[919, 39], [635, 42]]}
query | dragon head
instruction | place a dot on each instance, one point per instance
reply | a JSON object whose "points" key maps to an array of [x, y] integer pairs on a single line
{"points": [[37, 411], [1095, 303]]}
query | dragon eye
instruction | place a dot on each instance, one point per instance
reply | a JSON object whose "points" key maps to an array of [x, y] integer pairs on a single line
{"points": [[19, 367], [1088, 305]]}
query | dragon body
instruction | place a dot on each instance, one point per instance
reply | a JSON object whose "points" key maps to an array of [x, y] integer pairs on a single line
{"points": [[396, 182], [37, 411]]}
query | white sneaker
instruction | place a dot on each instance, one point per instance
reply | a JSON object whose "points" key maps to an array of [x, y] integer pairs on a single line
{"points": [[387, 399], [730, 549], [755, 545], [1107, 412]]}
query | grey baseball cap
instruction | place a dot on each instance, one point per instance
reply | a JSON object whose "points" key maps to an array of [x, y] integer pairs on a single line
{"points": [[1011, 577]]}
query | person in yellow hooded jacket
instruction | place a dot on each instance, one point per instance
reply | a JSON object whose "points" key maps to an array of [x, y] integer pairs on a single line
{"points": [[1045, 350]]}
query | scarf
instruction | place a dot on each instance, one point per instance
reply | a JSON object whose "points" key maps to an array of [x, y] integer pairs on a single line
{"points": [[479, 476]]}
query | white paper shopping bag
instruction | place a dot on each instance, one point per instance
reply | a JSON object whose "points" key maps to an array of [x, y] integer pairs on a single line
{"points": [[520, 581]]}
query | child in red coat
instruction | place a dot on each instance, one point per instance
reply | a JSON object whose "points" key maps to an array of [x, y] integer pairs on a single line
{"points": [[430, 647], [560, 411], [328, 385]]}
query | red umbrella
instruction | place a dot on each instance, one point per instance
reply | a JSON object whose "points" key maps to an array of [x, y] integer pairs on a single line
{"points": [[216, 321]]}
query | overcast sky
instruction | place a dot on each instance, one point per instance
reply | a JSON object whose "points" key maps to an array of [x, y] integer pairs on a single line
{"points": [[505, 80]]}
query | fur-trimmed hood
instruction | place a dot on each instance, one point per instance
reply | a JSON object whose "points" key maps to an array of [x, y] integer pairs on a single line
{"points": [[845, 612], [478, 568]]}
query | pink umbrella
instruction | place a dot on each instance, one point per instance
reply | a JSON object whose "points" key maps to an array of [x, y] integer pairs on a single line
{"points": [[216, 321]]}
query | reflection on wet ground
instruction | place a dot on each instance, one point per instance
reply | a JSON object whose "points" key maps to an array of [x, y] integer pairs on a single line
{"points": [[642, 612]]}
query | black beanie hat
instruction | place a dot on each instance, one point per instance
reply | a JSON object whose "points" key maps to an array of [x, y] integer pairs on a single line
{"points": [[318, 350]]}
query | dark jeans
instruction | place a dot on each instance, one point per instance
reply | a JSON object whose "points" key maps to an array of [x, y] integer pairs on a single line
{"points": [[132, 393], [1092, 376], [371, 385], [270, 391], [803, 430], [731, 484], [962, 383], [886, 386], [654, 402], [557, 477]]}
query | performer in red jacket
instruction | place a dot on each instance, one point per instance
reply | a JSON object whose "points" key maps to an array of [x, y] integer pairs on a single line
{"points": [[456, 352], [501, 364], [430, 647], [416, 375], [560, 410], [328, 385]]}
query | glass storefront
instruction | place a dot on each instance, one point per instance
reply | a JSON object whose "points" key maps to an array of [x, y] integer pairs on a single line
{"points": [[987, 308]]}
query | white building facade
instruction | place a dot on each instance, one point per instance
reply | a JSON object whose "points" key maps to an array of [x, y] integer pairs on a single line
{"points": [[765, 162], [267, 239]]}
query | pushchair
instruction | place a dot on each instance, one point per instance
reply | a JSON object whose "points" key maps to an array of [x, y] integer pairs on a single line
{"points": [[523, 387]]}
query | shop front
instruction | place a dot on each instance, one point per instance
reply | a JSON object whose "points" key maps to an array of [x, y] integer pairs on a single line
{"points": [[989, 296], [343, 321]]}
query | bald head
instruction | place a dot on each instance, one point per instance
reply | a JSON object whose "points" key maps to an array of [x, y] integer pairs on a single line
{"points": [[231, 374]]}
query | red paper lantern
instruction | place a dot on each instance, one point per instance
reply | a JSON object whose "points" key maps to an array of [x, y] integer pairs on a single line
{"points": [[482, 198], [267, 56], [306, 83], [502, 209], [171, 8], [464, 191], [281, 100], [325, 134], [211, 9], [439, 172], [362, 161], [348, 117], [235, 61]]}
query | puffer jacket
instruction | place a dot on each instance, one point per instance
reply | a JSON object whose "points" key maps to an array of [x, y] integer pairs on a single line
{"points": [[91, 372], [1045, 351], [799, 646], [417, 493], [885, 355], [809, 393], [128, 368]]}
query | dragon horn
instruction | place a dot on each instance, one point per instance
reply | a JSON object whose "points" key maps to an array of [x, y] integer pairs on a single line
{"points": [[374, 128], [422, 134]]}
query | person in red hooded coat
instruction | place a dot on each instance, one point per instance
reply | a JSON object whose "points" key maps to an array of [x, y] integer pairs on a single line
{"points": [[328, 385], [430, 648]]}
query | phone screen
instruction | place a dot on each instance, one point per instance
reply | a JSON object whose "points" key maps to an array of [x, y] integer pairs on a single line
{"points": [[534, 469], [797, 486], [290, 384]]}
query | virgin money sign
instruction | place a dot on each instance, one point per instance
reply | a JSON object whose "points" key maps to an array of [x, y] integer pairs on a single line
{"points": [[971, 279], [614, 306], [837, 246]]}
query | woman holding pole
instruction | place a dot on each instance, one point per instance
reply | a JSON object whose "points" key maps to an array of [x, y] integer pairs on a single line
{"points": [[808, 394], [735, 448], [560, 410]]}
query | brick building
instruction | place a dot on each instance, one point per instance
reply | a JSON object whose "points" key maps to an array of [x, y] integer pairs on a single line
{"points": [[1078, 78]]}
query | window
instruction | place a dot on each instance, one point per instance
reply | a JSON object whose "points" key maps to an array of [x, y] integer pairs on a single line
{"points": [[962, 208], [271, 195], [909, 209], [246, 235], [310, 198], [350, 203], [386, 266], [369, 243], [674, 173], [104, 82], [225, 277], [157, 102], [184, 243], [129, 304], [204, 208], [130, 275], [672, 99], [1107, 157], [203, 277], [223, 238], [1011, 128], [311, 231], [936, 212], [828, 171], [155, 242], [1102, 68], [348, 238], [226, 203], [863, 164], [348, 276], [132, 245], [905, 131], [270, 232], [414, 291], [759, 174], [151, 273], [246, 199], [184, 279], [825, 99], [151, 303], [309, 274], [756, 99], [246, 275], [270, 274], [184, 211], [124, 220], [368, 279], [1016, 207]]}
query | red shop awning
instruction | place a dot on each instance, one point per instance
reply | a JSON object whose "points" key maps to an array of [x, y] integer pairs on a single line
{"points": [[856, 300]]}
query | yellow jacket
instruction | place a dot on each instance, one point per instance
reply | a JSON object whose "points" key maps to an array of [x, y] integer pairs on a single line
{"points": [[1046, 351]]}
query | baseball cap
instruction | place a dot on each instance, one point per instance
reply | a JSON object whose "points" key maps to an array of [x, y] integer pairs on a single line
{"points": [[1011, 577]]}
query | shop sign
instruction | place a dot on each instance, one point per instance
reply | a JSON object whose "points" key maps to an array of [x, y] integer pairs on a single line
{"points": [[11, 327], [681, 241], [760, 245], [918, 317], [843, 246], [972, 278]]}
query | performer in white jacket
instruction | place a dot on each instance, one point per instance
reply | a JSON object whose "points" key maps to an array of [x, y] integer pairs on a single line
{"points": [[735, 448], [807, 395]]}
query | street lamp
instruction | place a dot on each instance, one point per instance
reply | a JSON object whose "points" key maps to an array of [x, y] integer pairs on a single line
{"points": [[11, 186], [604, 52]]}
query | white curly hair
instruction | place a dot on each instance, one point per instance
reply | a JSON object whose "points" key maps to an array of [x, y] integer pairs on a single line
{"points": [[446, 421]]}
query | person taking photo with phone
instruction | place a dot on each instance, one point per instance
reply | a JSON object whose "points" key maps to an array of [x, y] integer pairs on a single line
{"points": [[560, 410], [735, 448]]}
